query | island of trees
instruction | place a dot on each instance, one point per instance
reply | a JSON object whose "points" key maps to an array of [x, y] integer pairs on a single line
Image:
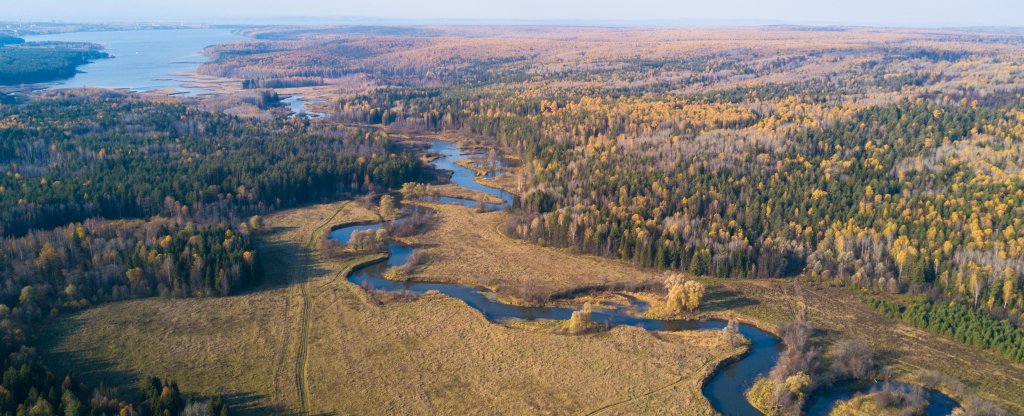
{"points": [[33, 62]]}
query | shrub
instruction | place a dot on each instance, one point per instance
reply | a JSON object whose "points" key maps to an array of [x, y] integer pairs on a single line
{"points": [[579, 322], [412, 224], [398, 274], [417, 258], [731, 333], [852, 358], [368, 239], [683, 295]]}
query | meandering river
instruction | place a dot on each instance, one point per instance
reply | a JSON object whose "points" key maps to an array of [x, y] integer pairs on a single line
{"points": [[147, 60], [725, 390]]}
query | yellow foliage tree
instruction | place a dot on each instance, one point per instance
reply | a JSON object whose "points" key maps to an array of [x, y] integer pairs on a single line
{"points": [[579, 322]]}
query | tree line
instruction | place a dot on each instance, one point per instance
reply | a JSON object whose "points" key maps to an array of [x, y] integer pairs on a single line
{"points": [[78, 156], [917, 190], [108, 196], [31, 62]]}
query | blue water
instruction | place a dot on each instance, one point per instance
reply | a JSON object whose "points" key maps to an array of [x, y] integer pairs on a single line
{"points": [[726, 387], [144, 60], [464, 202], [823, 400], [466, 178], [297, 104], [344, 234], [724, 390]]}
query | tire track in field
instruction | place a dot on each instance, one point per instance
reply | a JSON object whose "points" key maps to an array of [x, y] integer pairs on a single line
{"points": [[284, 352], [645, 394], [312, 234], [301, 356]]}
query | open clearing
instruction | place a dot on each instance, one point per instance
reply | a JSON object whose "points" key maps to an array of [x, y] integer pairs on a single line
{"points": [[907, 349], [436, 355], [512, 266], [311, 342], [468, 247]]}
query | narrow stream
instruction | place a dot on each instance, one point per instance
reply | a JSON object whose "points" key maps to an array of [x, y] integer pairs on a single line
{"points": [[461, 176], [725, 390], [826, 398]]}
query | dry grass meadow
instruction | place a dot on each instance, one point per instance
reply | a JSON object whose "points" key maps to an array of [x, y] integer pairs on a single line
{"points": [[309, 341], [469, 248], [839, 314], [518, 268]]}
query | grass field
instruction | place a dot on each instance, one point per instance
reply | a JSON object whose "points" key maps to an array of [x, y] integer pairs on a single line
{"points": [[868, 404], [839, 314], [518, 268], [311, 342], [468, 247]]}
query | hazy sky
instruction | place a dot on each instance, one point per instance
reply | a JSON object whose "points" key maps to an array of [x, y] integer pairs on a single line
{"points": [[865, 12]]}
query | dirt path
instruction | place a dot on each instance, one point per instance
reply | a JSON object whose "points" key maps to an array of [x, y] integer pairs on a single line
{"points": [[685, 377], [301, 356]]}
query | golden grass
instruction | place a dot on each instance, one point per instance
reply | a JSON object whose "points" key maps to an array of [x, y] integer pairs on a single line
{"points": [[436, 355], [455, 191], [761, 395], [239, 345], [471, 164], [909, 350], [468, 247], [502, 263], [311, 341], [451, 360], [863, 405]]}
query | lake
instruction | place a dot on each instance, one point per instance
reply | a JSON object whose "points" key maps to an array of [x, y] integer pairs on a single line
{"points": [[143, 60]]}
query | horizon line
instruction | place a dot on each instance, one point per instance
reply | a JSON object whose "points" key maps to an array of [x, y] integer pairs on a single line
{"points": [[343, 20]]}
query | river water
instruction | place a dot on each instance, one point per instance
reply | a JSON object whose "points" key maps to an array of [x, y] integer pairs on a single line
{"points": [[297, 104], [143, 60], [725, 390], [147, 60]]}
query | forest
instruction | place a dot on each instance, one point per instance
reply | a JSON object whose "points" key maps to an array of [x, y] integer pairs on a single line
{"points": [[78, 156], [111, 196], [886, 161], [886, 164], [32, 62]]}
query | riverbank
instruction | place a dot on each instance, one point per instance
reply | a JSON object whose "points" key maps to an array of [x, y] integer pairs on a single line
{"points": [[721, 302], [909, 351], [408, 356], [348, 353]]}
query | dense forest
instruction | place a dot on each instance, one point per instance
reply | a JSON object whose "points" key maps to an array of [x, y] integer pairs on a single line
{"points": [[912, 195], [887, 162], [108, 196], [958, 321], [665, 182], [31, 62], [884, 161], [78, 156]]}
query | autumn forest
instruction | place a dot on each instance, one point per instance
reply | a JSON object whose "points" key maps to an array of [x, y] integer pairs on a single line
{"points": [[878, 168]]}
